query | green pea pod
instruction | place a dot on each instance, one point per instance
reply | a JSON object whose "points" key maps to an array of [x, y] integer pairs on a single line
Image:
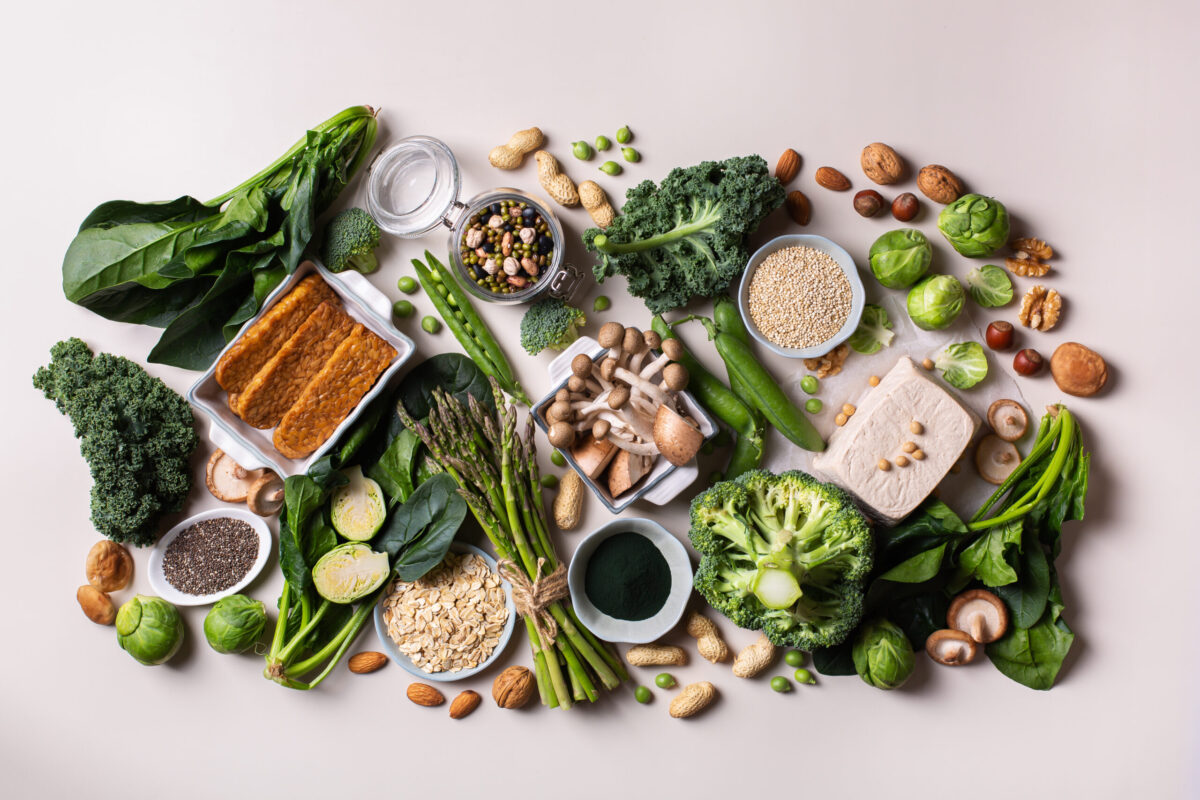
{"points": [[729, 320]]}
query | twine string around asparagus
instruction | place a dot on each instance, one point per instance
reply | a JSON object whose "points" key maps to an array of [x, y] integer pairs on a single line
{"points": [[533, 598]]}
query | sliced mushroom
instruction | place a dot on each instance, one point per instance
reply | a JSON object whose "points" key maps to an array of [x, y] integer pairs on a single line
{"points": [[1008, 419], [950, 647], [561, 434], [265, 497], [996, 459], [677, 439], [228, 480], [626, 470], [980, 614], [593, 455]]}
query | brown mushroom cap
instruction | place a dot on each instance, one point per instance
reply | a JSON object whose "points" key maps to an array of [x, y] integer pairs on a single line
{"points": [[608, 368], [109, 566], [653, 340], [600, 428], [980, 614], [581, 365], [559, 410], [996, 459], [228, 480], [1078, 370], [1008, 419], [266, 495], [618, 397], [675, 376], [611, 334], [561, 434], [672, 349], [576, 384], [563, 394], [950, 647], [676, 438], [633, 341]]}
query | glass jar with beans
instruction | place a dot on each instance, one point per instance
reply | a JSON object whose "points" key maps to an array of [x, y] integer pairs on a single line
{"points": [[506, 246]]}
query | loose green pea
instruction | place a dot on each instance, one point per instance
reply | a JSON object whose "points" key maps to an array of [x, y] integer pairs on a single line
{"points": [[610, 168], [716, 476], [558, 459], [549, 481], [664, 680], [630, 155], [793, 658], [582, 150], [813, 405], [781, 684], [431, 324], [407, 284], [804, 676], [602, 143], [642, 695], [403, 308], [601, 303], [624, 135], [810, 384]]}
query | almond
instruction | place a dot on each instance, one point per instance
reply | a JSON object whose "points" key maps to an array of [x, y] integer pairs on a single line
{"points": [[788, 166], [425, 695], [830, 178], [882, 164], [939, 184], [464, 704], [798, 207], [362, 663]]}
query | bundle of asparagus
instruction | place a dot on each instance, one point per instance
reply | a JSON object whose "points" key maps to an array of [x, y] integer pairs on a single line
{"points": [[498, 476]]}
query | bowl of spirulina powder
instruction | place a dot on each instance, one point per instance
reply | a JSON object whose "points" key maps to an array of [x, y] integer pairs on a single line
{"points": [[209, 556], [630, 581]]}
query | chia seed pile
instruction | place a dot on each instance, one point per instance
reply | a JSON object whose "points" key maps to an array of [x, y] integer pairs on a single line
{"points": [[799, 297], [506, 247], [210, 556]]}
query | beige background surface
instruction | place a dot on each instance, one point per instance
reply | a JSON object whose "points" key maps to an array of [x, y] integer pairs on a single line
{"points": [[1081, 116]]}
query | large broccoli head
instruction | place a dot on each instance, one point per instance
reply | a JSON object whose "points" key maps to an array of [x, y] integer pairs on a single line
{"points": [[349, 242], [550, 323], [784, 554]]}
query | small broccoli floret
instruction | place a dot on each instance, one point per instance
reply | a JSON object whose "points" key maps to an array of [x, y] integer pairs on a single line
{"points": [[350, 241], [784, 554], [550, 323]]}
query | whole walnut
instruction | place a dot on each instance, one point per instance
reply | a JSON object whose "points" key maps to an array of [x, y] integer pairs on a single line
{"points": [[514, 687]]}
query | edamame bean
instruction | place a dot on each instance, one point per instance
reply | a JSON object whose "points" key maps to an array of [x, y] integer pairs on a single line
{"points": [[624, 135], [813, 405], [601, 303], [664, 680], [610, 168], [558, 459], [804, 676], [630, 155], [602, 143], [642, 695], [431, 324], [793, 658], [407, 284], [582, 150], [549, 481], [781, 684], [810, 384], [403, 309]]}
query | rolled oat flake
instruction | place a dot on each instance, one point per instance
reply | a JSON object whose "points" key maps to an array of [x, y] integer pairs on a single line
{"points": [[210, 556]]}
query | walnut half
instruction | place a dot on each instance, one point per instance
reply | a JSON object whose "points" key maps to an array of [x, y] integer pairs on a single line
{"points": [[830, 363], [1040, 308], [1030, 253]]}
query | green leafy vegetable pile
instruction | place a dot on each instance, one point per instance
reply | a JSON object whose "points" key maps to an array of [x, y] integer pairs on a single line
{"points": [[134, 431], [200, 270], [687, 236]]}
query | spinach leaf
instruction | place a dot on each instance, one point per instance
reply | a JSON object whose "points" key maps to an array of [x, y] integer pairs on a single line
{"points": [[128, 212], [291, 558], [394, 469], [454, 373], [103, 257], [932, 525], [992, 557], [1027, 597], [920, 615], [419, 533], [301, 497], [837, 660], [918, 569], [1033, 656]]}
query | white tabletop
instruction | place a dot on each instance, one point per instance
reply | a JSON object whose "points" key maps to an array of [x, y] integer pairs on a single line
{"points": [[1080, 116]]}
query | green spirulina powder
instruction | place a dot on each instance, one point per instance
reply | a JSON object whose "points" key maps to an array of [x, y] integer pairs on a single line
{"points": [[627, 577]]}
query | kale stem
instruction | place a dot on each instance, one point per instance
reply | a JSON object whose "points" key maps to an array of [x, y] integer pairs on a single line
{"points": [[701, 221]]}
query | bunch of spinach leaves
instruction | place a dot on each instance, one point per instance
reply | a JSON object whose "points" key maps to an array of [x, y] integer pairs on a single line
{"points": [[200, 270], [1009, 546]]}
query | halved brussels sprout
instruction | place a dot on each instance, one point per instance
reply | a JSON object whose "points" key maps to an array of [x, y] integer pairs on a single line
{"points": [[234, 624], [883, 656], [350, 572], [990, 286], [149, 629], [358, 509], [900, 257], [975, 225], [936, 302], [874, 331], [963, 364]]}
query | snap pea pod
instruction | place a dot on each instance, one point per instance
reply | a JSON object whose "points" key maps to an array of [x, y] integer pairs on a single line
{"points": [[728, 320], [765, 393], [466, 325]]}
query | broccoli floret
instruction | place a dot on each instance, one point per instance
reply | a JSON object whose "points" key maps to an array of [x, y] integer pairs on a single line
{"points": [[135, 433], [784, 554], [686, 236], [350, 241], [550, 323]]}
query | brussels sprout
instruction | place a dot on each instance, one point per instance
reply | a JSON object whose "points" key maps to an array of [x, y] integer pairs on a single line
{"points": [[975, 225], [149, 629], [358, 509], [935, 302], [234, 624], [874, 331], [990, 286], [963, 365], [899, 258], [883, 656], [350, 572]]}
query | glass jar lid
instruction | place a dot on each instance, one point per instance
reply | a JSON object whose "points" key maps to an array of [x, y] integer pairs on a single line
{"points": [[412, 186]]}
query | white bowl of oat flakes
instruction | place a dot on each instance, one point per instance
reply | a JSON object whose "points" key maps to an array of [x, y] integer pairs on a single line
{"points": [[450, 624], [801, 295]]}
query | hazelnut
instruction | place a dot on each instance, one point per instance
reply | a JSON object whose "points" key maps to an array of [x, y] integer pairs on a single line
{"points": [[905, 206], [868, 202], [1028, 362], [999, 335]]}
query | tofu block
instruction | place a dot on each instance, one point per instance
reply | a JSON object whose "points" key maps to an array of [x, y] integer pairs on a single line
{"points": [[880, 428]]}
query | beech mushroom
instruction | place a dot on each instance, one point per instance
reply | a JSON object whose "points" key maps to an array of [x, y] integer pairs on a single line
{"points": [[675, 377], [626, 470], [610, 335], [600, 428], [980, 614], [265, 497], [581, 366], [593, 456], [228, 480], [672, 349], [950, 647], [652, 339], [996, 459], [618, 397], [561, 434], [677, 439], [1008, 419]]}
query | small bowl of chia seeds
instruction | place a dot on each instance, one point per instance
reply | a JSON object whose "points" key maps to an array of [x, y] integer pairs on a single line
{"points": [[801, 295], [209, 556]]}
